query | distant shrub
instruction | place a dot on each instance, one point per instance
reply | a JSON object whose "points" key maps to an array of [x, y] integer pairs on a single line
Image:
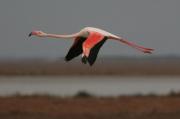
{"points": [[174, 94], [83, 94]]}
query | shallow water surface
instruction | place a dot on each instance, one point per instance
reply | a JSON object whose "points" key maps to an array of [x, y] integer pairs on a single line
{"points": [[96, 85]]}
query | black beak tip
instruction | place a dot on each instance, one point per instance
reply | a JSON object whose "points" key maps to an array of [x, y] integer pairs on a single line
{"points": [[30, 34]]}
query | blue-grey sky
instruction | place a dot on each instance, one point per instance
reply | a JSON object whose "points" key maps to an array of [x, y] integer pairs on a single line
{"points": [[151, 23]]}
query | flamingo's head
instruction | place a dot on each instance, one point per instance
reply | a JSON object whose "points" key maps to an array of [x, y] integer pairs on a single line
{"points": [[37, 33]]}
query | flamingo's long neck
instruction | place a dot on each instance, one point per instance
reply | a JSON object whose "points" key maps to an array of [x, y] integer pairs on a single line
{"points": [[62, 36]]}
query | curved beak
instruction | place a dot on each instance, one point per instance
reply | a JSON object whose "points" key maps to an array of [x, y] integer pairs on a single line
{"points": [[30, 34]]}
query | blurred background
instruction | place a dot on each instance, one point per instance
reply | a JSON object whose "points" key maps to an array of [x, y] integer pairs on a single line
{"points": [[150, 23], [35, 66]]}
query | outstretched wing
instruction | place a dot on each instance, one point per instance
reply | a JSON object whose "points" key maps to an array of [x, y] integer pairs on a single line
{"points": [[76, 48], [92, 45], [94, 51]]}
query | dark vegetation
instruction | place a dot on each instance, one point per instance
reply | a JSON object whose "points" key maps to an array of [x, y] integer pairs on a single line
{"points": [[86, 106]]}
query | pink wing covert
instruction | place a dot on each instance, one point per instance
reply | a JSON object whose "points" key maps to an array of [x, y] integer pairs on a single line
{"points": [[91, 41]]}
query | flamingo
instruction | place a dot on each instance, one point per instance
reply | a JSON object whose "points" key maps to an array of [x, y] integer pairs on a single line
{"points": [[88, 43]]}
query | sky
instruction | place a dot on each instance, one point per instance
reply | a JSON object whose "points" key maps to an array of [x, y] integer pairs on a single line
{"points": [[151, 23]]}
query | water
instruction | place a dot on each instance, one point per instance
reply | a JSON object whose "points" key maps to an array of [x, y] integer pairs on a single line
{"points": [[100, 86]]}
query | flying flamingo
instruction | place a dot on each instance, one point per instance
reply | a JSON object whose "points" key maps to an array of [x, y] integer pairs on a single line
{"points": [[88, 43]]}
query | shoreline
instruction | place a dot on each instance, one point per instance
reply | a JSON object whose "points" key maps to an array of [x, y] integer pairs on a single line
{"points": [[104, 66]]}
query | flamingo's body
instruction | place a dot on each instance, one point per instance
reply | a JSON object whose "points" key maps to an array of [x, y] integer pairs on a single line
{"points": [[88, 43]]}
